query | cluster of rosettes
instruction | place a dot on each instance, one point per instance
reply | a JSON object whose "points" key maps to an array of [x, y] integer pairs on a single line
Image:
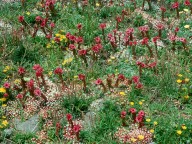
{"points": [[134, 135]]}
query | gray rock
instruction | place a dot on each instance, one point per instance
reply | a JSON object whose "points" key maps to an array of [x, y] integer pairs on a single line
{"points": [[89, 120], [28, 126], [8, 132]]}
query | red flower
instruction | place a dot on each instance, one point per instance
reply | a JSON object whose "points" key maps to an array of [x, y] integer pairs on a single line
{"points": [[71, 46], [152, 65], [37, 92], [79, 40], [21, 70], [69, 117], [19, 96], [118, 19], [98, 40], [160, 26], [183, 40], [38, 18], [48, 36], [21, 19], [57, 40], [82, 52], [39, 72], [52, 25], [141, 113], [175, 5], [139, 118], [187, 2], [129, 31], [102, 26], [79, 26], [6, 85], [135, 79], [81, 77], [30, 84], [132, 110], [58, 125], [76, 128], [155, 39], [163, 9], [176, 29], [5, 95], [123, 114], [36, 67], [121, 77], [145, 41], [58, 71], [96, 48], [144, 28], [139, 85], [98, 82]]}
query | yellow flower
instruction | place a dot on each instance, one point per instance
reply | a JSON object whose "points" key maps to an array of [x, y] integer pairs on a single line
{"points": [[5, 122], [112, 57], [97, 4], [179, 81], [133, 140], [131, 103], [50, 73], [61, 31], [52, 41], [3, 99], [48, 45], [140, 137], [186, 10], [7, 68], [4, 105], [181, 12], [183, 127], [140, 103], [57, 35], [179, 132], [186, 80], [179, 75], [75, 77], [155, 123], [67, 61], [17, 81], [3, 117], [126, 61], [1, 126], [148, 120], [2, 90], [186, 26], [186, 97], [28, 13], [109, 61], [122, 93], [151, 130]]}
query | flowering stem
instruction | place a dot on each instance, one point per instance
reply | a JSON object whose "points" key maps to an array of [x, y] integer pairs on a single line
{"points": [[44, 97], [109, 82], [123, 122], [162, 15], [134, 52], [177, 9], [62, 81], [104, 87], [103, 33], [117, 83], [140, 71], [149, 3], [156, 51], [160, 33], [84, 85], [143, 4]]}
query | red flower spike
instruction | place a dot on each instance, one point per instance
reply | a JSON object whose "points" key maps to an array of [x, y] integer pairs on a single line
{"points": [[72, 47], [79, 26], [123, 114], [102, 26], [141, 113], [21, 19], [37, 92], [5, 95], [52, 25], [82, 52], [135, 79], [139, 86], [21, 70], [81, 77], [175, 5], [76, 128], [163, 9], [58, 71], [187, 2], [121, 77], [19, 96], [69, 117], [132, 110], [38, 18]]}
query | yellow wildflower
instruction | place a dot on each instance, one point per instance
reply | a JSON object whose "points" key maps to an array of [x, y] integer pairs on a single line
{"points": [[4, 105], [50, 73], [186, 10], [151, 130], [3, 99], [3, 117], [5, 122], [75, 77], [140, 137], [67, 61], [17, 81], [179, 132], [2, 90], [148, 120], [155, 123], [180, 12], [183, 127], [7, 68], [179, 75], [131, 103], [179, 81], [122, 93], [1, 126], [52, 41], [97, 4], [57, 35], [186, 26], [112, 57], [48, 45], [28, 13], [109, 61], [186, 80], [133, 140], [140, 103], [186, 97]]}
